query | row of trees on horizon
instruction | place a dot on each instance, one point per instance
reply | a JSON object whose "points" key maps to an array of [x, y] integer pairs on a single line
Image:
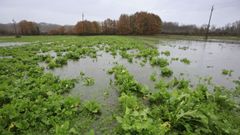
{"points": [[140, 23]]}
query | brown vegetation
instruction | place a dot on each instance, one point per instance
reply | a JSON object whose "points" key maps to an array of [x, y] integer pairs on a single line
{"points": [[28, 28]]}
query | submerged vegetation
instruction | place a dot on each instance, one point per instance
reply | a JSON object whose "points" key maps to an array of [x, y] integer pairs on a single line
{"points": [[166, 72], [167, 53], [159, 61], [227, 72], [187, 111], [33, 101], [153, 76], [185, 61]]}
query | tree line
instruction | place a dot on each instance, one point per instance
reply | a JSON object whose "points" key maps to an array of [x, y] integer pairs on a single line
{"points": [[232, 29], [140, 23]]}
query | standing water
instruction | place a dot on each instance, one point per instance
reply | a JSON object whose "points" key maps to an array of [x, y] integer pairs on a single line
{"points": [[207, 60]]}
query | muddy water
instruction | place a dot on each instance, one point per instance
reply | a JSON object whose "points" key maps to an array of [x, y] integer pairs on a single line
{"points": [[207, 60], [102, 91]]}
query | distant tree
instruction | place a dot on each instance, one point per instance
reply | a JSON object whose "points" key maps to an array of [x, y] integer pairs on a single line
{"points": [[124, 25], [87, 28], [175, 28], [28, 28], [3, 32], [61, 30], [78, 28], [58, 31], [146, 23], [109, 27], [96, 27]]}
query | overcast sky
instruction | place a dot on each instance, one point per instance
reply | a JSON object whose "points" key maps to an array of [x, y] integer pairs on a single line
{"points": [[70, 11]]}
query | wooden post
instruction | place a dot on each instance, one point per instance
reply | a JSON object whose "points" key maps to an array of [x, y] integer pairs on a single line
{"points": [[206, 38]]}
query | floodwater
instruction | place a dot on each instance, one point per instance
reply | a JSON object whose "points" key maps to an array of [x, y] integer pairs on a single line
{"points": [[208, 59], [4, 44]]}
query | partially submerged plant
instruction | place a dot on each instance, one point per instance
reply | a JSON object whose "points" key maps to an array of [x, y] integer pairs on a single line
{"points": [[92, 106], [227, 72], [175, 59], [52, 64], [88, 81], [185, 61], [153, 76], [183, 48], [166, 72], [159, 61], [61, 61], [167, 53]]}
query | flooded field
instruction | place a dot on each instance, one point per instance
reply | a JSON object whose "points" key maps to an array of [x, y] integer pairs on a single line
{"points": [[100, 83], [207, 61]]}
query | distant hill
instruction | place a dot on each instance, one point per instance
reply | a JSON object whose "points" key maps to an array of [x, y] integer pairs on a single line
{"points": [[43, 27]]}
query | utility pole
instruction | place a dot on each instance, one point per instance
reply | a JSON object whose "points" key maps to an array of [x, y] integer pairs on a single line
{"points": [[15, 28], [210, 17], [83, 23]]}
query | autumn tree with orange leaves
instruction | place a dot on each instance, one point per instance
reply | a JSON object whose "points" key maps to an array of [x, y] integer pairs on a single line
{"points": [[140, 23], [124, 25], [87, 28], [109, 27], [146, 23], [28, 28]]}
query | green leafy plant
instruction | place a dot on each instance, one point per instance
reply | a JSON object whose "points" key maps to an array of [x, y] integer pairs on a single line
{"points": [[88, 81], [175, 59], [185, 61], [166, 72], [92, 107], [159, 61], [167, 53], [52, 64], [153, 76], [227, 72], [128, 101], [61, 61]]}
